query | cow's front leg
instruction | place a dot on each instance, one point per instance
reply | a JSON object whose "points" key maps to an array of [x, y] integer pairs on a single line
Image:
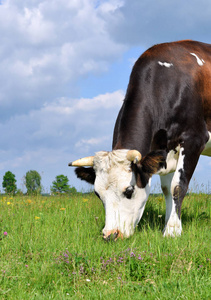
{"points": [[173, 225], [175, 187]]}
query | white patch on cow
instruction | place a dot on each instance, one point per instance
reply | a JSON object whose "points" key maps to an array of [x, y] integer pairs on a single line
{"points": [[173, 225], [199, 61], [207, 149], [166, 187], [180, 167], [113, 176], [165, 64], [171, 162]]}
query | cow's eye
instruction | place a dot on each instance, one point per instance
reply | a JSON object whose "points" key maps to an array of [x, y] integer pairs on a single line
{"points": [[129, 192]]}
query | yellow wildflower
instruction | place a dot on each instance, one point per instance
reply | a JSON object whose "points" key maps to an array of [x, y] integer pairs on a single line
{"points": [[29, 201], [8, 203], [37, 218], [62, 208], [85, 200]]}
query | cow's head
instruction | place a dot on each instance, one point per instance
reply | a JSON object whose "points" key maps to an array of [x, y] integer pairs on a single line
{"points": [[121, 180]]}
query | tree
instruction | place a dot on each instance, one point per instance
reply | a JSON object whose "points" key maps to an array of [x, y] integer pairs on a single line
{"points": [[33, 182], [60, 185], [9, 183]]}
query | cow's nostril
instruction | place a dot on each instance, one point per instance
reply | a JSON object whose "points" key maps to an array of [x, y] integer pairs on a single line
{"points": [[115, 235], [106, 238], [112, 236]]}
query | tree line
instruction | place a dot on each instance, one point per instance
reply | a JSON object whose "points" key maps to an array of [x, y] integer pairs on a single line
{"points": [[32, 182]]}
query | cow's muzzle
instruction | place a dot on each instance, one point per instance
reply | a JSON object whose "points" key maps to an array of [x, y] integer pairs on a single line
{"points": [[112, 235]]}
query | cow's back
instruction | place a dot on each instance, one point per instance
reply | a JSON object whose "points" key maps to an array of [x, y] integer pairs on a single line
{"points": [[168, 95]]}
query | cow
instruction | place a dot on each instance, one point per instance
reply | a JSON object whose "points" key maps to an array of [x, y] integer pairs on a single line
{"points": [[163, 126]]}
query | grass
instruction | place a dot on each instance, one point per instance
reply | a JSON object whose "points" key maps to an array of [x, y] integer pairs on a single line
{"points": [[52, 248]]}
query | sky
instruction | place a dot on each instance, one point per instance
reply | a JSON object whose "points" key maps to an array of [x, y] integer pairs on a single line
{"points": [[64, 70]]}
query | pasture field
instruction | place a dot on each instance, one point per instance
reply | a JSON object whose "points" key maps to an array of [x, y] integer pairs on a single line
{"points": [[52, 248]]}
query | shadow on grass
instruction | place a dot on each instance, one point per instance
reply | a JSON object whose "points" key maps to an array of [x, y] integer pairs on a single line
{"points": [[153, 217], [195, 209]]}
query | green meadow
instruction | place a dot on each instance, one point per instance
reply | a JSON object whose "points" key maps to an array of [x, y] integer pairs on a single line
{"points": [[52, 248]]}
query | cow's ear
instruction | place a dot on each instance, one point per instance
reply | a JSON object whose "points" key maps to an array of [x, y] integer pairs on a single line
{"points": [[153, 162], [87, 174]]}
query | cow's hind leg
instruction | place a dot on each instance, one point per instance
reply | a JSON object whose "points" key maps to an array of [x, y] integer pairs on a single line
{"points": [[173, 225]]}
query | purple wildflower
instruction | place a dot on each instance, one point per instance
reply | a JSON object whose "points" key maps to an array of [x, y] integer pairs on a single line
{"points": [[120, 260], [5, 233], [132, 254]]}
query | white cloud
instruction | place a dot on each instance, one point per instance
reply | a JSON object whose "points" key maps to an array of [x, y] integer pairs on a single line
{"points": [[34, 26], [105, 101], [48, 138], [47, 48], [62, 124], [88, 144]]}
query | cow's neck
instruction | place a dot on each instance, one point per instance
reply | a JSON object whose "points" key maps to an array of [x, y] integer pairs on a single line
{"points": [[133, 130]]}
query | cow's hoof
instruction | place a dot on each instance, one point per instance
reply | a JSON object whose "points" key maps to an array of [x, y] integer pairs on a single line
{"points": [[172, 231]]}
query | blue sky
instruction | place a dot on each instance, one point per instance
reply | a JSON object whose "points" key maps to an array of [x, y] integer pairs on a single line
{"points": [[64, 69]]}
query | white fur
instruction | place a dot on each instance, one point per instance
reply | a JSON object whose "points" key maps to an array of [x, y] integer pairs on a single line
{"points": [[173, 225], [171, 162], [180, 166], [165, 64], [199, 61], [113, 176]]}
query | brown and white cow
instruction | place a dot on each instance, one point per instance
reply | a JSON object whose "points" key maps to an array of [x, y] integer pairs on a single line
{"points": [[163, 127]]}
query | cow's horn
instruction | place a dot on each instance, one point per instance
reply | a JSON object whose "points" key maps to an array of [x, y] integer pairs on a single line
{"points": [[134, 156], [82, 162]]}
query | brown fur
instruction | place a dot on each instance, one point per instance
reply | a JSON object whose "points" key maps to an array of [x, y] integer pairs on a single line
{"points": [[149, 165], [153, 162]]}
